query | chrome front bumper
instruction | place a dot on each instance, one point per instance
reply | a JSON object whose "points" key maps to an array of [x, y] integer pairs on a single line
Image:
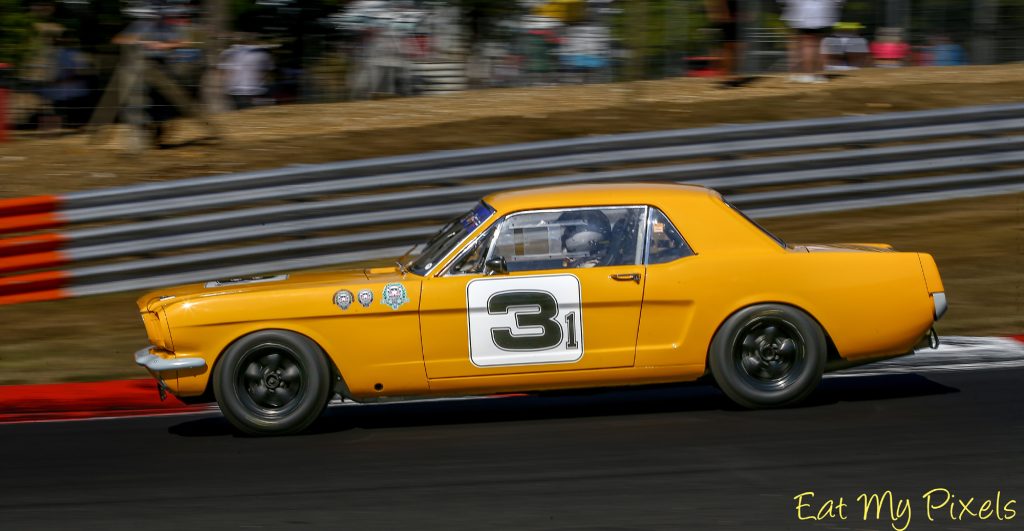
{"points": [[157, 364]]}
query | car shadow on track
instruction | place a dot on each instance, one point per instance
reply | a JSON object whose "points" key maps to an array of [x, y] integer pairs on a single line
{"points": [[674, 398]]}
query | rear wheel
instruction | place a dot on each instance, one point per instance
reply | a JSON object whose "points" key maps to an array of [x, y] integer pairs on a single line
{"points": [[769, 355], [273, 382]]}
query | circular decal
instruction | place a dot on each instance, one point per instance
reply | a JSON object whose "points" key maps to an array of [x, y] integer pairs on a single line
{"points": [[343, 299], [394, 295], [365, 298]]}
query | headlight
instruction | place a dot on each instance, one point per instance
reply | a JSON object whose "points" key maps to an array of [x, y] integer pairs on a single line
{"points": [[157, 329]]}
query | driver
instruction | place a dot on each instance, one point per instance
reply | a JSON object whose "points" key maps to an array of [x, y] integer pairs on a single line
{"points": [[586, 241]]}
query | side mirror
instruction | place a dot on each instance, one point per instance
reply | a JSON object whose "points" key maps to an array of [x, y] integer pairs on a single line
{"points": [[496, 266]]}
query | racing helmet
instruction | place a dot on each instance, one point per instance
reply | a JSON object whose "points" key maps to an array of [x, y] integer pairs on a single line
{"points": [[590, 236]]}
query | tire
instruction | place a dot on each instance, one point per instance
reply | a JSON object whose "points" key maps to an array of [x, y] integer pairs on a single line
{"points": [[768, 356], [272, 382]]}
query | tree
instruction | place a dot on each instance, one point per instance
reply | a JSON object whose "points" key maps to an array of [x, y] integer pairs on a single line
{"points": [[15, 32]]}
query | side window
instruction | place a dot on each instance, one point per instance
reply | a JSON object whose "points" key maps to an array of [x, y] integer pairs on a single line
{"points": [[665, 244], [570, 238]]}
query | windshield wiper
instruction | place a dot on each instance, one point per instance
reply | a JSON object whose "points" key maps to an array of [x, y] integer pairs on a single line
{"points": [[401, 268]]}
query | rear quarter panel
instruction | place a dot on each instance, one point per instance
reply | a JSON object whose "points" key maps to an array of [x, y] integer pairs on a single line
{"points": [[870, 304]]}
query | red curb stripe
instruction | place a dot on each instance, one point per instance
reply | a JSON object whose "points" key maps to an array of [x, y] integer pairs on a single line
{"points": [[119, 398], [29, 205], [28, 262], [1018, 338], [25, 223], [44, 281], [36, 243], [35, 296]]}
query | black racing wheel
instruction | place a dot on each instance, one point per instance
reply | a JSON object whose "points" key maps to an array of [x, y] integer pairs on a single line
{"points": [[272, 382], [768, 355]]}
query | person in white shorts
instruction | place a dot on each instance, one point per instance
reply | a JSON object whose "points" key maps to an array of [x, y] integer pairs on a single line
{"points": [[845, 49], [810, 21]]}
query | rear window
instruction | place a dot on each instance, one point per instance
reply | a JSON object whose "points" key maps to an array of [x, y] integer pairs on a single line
{"points": [[759, 227]]}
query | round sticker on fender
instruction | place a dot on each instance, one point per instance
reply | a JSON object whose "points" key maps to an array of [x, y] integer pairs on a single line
{"points": [[525, 320]]}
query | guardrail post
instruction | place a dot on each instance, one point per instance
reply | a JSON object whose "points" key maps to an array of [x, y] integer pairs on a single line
{"points": [[3, 102]]}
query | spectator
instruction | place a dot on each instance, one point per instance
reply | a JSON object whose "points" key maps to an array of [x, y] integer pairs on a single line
{"points": [[539, 46], [889, 50], [585, 50], [810, 21], [245, 68], [945, 52], [158, 38], [725, 14], [68, 90], [845, 49]]}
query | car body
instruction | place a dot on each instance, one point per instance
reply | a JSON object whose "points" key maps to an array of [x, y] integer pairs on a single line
{"points": [[553, 288]]}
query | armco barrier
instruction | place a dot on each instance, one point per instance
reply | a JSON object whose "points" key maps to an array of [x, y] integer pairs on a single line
{"points": [[227, 225]]}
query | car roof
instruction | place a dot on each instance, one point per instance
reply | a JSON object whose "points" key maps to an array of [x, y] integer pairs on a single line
{"points": [[576, 195]]}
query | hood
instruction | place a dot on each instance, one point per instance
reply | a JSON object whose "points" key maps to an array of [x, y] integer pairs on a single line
{"points": [[269, 283], [843, 248]]}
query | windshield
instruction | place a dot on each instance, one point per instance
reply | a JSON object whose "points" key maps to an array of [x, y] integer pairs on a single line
{"points": [[756, 224], [441, 243]]}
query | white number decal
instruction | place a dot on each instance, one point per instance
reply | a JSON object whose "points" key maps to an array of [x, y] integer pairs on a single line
{"points": [[524, 320]]}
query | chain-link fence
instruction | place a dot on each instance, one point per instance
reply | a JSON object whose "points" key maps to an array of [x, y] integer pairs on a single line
{"points": [[81, 62]]}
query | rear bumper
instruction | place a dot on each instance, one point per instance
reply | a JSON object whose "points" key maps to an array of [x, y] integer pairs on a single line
{"points": [[157, 364], [940, 304]]}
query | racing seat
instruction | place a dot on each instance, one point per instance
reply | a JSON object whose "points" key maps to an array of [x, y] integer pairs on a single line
{"points": [[619, 243]]}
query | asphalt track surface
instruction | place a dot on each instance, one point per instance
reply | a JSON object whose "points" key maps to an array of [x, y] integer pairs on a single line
{"points": [[668, 457]]}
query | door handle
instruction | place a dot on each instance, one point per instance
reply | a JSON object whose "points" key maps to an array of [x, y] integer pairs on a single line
{"points": [[635, 277]]}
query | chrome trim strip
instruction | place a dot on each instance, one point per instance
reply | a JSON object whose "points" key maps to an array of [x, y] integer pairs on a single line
{"points": [[939, 301], [240, 281], [441, 267], [155, 363]]}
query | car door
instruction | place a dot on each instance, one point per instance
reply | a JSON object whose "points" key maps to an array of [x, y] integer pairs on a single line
{"points": [[542, 290]]}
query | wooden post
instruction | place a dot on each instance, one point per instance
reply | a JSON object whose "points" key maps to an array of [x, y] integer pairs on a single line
{"points": [[983, 45], [127, 93], [212, 92], [133, 95]]}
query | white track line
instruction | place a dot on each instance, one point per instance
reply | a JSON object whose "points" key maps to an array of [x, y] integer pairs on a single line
{"points": [[956, 353]]}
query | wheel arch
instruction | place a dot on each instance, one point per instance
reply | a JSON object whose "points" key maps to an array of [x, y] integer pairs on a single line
{"points": [[832, 352], [338, 384]]}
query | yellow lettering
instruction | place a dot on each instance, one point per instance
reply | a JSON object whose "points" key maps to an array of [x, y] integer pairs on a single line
{"points": [[928, 501], [985, 511], [877, 501], [965, 508], [825, 511], [902, 509], [800, 505], [1010, 513]]}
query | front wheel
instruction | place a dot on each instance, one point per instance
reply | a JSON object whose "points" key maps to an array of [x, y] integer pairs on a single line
{"points": [[768, 355], [273, 382]]}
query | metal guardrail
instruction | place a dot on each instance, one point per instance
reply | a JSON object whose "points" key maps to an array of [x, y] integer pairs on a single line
{"points": [[331, 213]]}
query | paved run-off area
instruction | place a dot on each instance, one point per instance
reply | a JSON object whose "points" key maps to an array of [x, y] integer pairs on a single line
{"points": [[664, 457]]}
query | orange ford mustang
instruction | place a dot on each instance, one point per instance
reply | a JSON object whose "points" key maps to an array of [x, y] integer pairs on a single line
{"points": [[567, 287]]}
